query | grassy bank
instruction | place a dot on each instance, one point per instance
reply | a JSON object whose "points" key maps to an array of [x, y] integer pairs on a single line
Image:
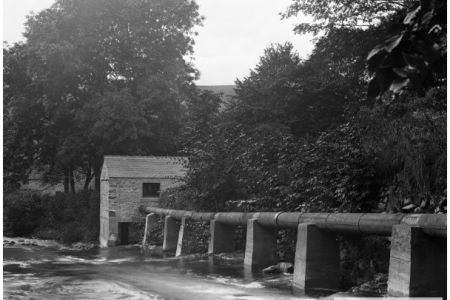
{"points": [[67, 218]]}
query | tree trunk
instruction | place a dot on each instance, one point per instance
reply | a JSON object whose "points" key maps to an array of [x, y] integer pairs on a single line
{"points": [[66, 180], [72, 181], [97, 173], [88, 179]]}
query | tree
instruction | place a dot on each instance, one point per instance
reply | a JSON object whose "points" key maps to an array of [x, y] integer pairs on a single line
{"points": [[22, 119], [416, 55], [89, 54], [267, 94], [328, 15]]}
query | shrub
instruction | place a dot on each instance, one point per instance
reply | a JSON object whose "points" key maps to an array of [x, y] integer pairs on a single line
{"points": [[67, 218], [22, 213]]}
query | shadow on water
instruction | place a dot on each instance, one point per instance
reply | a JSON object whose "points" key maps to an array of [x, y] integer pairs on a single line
{"points": [[124, 272]]}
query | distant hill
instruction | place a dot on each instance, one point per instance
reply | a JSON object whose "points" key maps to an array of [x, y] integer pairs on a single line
{"points": [[227, 90]]}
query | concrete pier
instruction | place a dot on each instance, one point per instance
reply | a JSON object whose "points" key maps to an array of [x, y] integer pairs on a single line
{"points": [[316, 259], [418, 263], [418, 259], [221, 238], [113, 238], [171, 229], [261, 245], [181, 237], [150, 221]]}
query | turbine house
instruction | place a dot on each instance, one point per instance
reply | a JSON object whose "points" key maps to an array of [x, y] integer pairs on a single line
{"points": [[128, 182]]}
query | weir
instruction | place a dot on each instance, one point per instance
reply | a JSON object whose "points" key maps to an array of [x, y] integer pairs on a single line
{"points": [[418, 256]]}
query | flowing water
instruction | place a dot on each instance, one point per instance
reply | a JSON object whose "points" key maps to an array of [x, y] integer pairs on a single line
{"points": [[35, 269]]}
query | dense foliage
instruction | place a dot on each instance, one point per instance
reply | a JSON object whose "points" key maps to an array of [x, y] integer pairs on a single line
{"points": [[96, 77], [64, 217], [416, 56], [328, 14], [303, 135]]}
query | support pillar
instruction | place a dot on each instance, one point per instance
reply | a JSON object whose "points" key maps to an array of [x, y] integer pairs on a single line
{"points": [[221, 238], [417, 265], [171, 229], [261, 245], [113, 234], [316, 259], [181, 237], [150, 221]]}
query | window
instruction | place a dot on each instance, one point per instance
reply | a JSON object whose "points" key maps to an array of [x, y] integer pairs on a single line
{"points": [[150, 189]]}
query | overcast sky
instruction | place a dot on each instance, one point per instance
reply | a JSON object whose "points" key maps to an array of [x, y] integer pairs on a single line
{"points": [[233, 37]]}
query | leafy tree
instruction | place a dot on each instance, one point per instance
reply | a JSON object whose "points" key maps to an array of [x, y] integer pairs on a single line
{"points": [[89, 54], [416, 56], [328, 15], [22, 119], [301, 135], [267, 94]]}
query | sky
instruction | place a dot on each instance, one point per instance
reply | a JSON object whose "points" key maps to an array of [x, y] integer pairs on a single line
{"points": [[230, 43]]}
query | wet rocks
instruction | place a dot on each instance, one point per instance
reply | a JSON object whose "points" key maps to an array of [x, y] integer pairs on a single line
{"points": [[282, 267], [8, 243], [374, 288], [153, 250], [23, 242], [83, 246], [234, 256]]}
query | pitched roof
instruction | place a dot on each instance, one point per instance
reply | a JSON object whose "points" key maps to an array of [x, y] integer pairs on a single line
{"points": [[143, 167]]}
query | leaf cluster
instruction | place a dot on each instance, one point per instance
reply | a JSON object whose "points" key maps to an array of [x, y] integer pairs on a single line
{"points": [[414, 57]]}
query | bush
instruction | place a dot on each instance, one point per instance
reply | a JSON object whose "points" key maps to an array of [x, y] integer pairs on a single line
{"points": [[22, 213], [362, 257], [155, 233], [67, 218]]}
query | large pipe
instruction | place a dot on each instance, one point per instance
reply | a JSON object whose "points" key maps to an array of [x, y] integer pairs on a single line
{"points": [[234, 218], [359, 223], [431, 224], [179, 214]]}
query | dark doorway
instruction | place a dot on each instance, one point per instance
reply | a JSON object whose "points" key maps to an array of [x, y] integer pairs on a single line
{"points": [[124, 233]]}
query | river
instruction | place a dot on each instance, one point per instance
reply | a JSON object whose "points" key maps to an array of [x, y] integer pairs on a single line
{"points": [[36, 269]]}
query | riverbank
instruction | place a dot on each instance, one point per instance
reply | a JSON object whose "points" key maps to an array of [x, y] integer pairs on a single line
{"points": [[35, 242]]}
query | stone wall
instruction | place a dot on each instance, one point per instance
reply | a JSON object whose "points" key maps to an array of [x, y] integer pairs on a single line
{"points": [[104, 211], [120, 199], [125, 197]]}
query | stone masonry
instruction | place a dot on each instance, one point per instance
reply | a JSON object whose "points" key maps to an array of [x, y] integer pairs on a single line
{"points": [[121, 197]]}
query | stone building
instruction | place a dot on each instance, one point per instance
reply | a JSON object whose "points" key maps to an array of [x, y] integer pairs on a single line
{"points": [[128, 182]]}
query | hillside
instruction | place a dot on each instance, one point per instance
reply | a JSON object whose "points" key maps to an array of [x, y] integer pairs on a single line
{"points": [[227, 90]]}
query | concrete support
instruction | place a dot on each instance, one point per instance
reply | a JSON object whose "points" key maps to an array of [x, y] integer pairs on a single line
{"points": [[181, 237], [417, 266], [221, 238], [316, 259], [171, 229], [104, 231], [113, 238], [150, 221], [261, 245]]}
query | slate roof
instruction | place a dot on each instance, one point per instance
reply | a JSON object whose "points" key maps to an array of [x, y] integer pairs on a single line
{"points": [[143, 167]]}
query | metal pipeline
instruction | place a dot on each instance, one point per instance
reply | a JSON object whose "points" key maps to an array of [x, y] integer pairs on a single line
{"points": [[352, 223], [233, 218], [179, 214]]}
